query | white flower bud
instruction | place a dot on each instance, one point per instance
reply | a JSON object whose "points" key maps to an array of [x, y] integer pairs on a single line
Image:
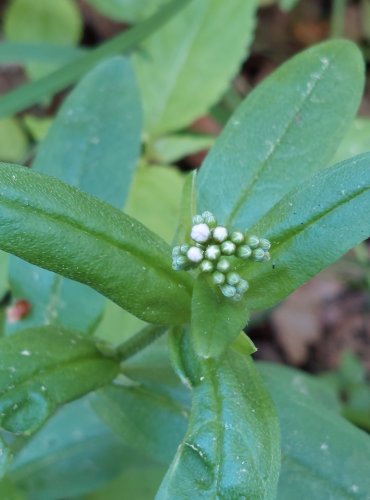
{"points": [[265, 244], [242, 286], [220, 234], [244, 252], [209, 219], [228, 291], [253, 241], [218, 278], [258, 254], [200, 233], [228, 248], [176, 251], [232, 278], [195, 254], [206, 266], [237, 237], [223, 265], [267, 257], [197, 219], [184, 249], [213, 252]]}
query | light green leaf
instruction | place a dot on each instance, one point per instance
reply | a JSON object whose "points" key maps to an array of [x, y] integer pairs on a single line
{"points": [[37, 126], [13, 140], [72, 455], [93, 144], [9, 492], [171, 148], [311, 228], [355, 142], [126, 10], [37, 91], [147, 421], [323, 456], [43, 368], [288, 128], [179, 67], [84, 239], [154, 199], [232, 417], [215, 321], [57, 22], [187, 209]]}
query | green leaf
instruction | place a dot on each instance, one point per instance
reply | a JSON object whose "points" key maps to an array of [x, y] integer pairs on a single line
{"points": [[286, 129], [13, 140], [84, 239], [93, 144], [356, 140], [215, 321], [187, 208], [31, 52], [154, 199], [72, 455], [32, 93], [151, 422], [231, 448], [287, 5], [38, 127], [126, 10], [43, 368], [179, 67], [323, 456], [58, 22], [171, 148], [8, 491], [305, 241], [5, 459]]}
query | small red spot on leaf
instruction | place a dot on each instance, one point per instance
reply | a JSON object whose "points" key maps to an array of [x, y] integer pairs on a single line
{"points": [[18, 311]]}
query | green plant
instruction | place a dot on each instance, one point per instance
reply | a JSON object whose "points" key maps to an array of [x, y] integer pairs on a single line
{"points": [[179, 398]]}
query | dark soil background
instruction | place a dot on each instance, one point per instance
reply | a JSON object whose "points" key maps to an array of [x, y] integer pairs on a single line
{"points": [[331, 313]]}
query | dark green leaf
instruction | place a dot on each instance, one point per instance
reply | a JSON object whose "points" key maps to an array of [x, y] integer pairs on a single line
{"points": [[323, 456], [73, 454], [78, 236], [22, 53], [310, 228], [8, 491], [93, 144], [231, 448], [5, 459], [287, 128], [43, 368], [34, 92], [215, 321], [179, 67]]}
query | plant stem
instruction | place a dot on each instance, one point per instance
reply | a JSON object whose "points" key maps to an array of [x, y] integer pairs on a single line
{"points": [[139, 341], [338, 15]]}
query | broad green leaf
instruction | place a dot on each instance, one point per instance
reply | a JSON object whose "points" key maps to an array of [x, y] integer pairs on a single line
{"points": [[154, 199], [30, 52], [137, 483], [148, 421], [5, 459], [57, 22], [37, 126], [4, 286], [310, 228], [323, 456], [37, 91], [174, 147], [13, 140], [215, 321], [356, 140], [72, 455], [179, 67], [231, 448], [93, 144], [126, 10], [84, 239], [43, 368], [8, 491], [287, 128]]}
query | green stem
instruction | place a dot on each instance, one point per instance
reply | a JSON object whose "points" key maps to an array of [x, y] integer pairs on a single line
{"points": [[34, 92], [338, 14], [139, 341]]}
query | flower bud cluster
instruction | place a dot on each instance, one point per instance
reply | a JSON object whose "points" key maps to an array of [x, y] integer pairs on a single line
{"points": [[212, 249]]}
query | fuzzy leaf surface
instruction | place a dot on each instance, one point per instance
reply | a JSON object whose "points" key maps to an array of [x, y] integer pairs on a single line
{"points": [[84, 239]]}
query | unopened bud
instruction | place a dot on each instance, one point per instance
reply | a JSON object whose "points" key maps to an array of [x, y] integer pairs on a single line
{"points": [[228, 248], [244, 252], [200, 233], [213, 252], [219, 234], [237, 237], [195, 254], [253, 241], [206, 266]]}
